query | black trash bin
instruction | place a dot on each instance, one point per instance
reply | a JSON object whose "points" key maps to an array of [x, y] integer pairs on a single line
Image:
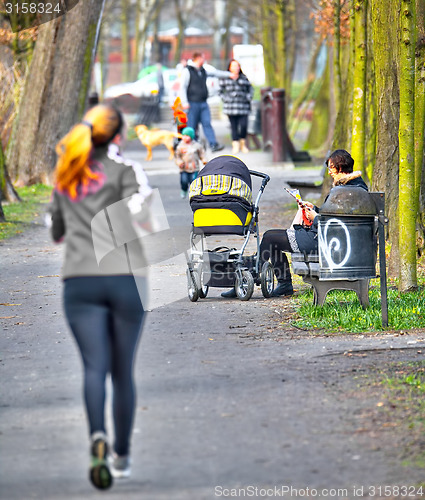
{"points": [[347, 235]]}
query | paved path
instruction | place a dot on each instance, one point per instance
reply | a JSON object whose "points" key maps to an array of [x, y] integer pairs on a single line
{"points": [[228, 397]]}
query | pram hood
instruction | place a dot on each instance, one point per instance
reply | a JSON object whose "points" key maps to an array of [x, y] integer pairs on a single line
{"points": [[227, 165], [221, 196], [224, 178]]}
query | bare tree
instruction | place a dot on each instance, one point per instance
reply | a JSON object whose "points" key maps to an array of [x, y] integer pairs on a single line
{"points": [[55, 93], [183, 9]]}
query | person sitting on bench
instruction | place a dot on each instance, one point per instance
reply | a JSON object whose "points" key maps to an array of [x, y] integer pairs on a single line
{"points": [[303, 237]]}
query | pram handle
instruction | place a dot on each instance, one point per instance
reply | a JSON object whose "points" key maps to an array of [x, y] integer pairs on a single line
{"points": [[260, 174]]}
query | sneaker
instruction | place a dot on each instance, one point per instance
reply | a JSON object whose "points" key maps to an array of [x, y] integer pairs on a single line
{"points": [[283, 288], [183, 194], [99, 473], [216, 147], [230, 294], [120, 466]]}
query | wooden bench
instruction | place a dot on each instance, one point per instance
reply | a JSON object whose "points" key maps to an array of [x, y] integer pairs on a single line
{"points": [[309, 185]]}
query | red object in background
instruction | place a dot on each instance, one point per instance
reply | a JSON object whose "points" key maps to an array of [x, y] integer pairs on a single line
{"points": [[180, 118]]}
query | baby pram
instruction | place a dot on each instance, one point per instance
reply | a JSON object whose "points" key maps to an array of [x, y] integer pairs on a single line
{"points": [[221, 201]]}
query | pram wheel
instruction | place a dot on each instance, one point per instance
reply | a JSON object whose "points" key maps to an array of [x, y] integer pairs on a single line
{"points": [[244, 285], [267, 279], [202, 289], [192, 287]]}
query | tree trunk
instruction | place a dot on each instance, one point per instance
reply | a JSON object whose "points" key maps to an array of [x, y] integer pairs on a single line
{"points": [[7, 190], [370, 107], [55, 94], [407, 200], [155, 41], [370, 153], [385, 175], [268, 37], [420, 123], [359, 87], [2, 180], [307, 88], [2, 217], [219, 17], [135, 67], [419, 95], [36, 88], [281, 55], [181, 23], [125, 68], [142, 19], [342, 132], [291, 49], [226, 42], [319, 131], [337, 55]]}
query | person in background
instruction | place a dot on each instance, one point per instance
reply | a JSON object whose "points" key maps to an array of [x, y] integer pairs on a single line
{"points": [[190, 158], [181, 65], [160, 81], [194, 95], [237, 96], [101, 298]]}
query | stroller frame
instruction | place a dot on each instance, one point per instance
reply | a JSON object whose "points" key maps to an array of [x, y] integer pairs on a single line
{"points": [[239, 271]]}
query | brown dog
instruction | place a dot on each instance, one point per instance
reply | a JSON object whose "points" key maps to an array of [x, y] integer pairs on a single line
{"points": [[155, 137]]}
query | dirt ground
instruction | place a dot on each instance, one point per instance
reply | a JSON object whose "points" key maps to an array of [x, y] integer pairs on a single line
{"points": [[231, 393]]}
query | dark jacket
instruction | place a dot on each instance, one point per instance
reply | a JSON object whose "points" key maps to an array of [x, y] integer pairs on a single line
{"points": [[307, 238], [197, 90]]}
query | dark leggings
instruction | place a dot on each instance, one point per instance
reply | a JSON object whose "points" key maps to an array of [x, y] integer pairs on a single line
{"points": [[238, 125], [273, 247], [105, 315]]}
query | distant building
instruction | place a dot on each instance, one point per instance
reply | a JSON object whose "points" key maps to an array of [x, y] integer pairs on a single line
{"points": [[195, 39]]}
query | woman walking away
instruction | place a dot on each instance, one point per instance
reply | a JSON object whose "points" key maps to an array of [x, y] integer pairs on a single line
{"points": [[93, 192], [237, 96]]}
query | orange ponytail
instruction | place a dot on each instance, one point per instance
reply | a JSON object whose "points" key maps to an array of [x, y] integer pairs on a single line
{"points": [[73, 173]]}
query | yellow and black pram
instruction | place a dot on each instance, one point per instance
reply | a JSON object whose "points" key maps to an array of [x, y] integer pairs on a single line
{"points": [[221, 201]]}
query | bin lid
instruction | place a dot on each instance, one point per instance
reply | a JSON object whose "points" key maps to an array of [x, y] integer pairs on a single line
{"points": [[348, 200]]}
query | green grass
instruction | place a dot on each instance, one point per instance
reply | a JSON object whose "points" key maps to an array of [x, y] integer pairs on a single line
{"points": [[401, 389], [343, 313], [20, 215]]}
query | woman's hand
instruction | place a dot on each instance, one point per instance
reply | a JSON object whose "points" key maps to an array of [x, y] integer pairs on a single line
{"points": [[309, 205], [310, 213]]}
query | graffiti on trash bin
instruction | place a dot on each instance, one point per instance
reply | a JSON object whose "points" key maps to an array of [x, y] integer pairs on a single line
{"points": [[336, 244]]}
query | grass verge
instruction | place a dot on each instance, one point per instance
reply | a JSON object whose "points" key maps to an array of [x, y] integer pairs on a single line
{"points": [[400, 391], [20, 215], [343, 313]]}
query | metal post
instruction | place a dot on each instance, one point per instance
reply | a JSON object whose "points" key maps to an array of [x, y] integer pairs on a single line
{"points": [[266, 106], [382, 221], [278, 125]]}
